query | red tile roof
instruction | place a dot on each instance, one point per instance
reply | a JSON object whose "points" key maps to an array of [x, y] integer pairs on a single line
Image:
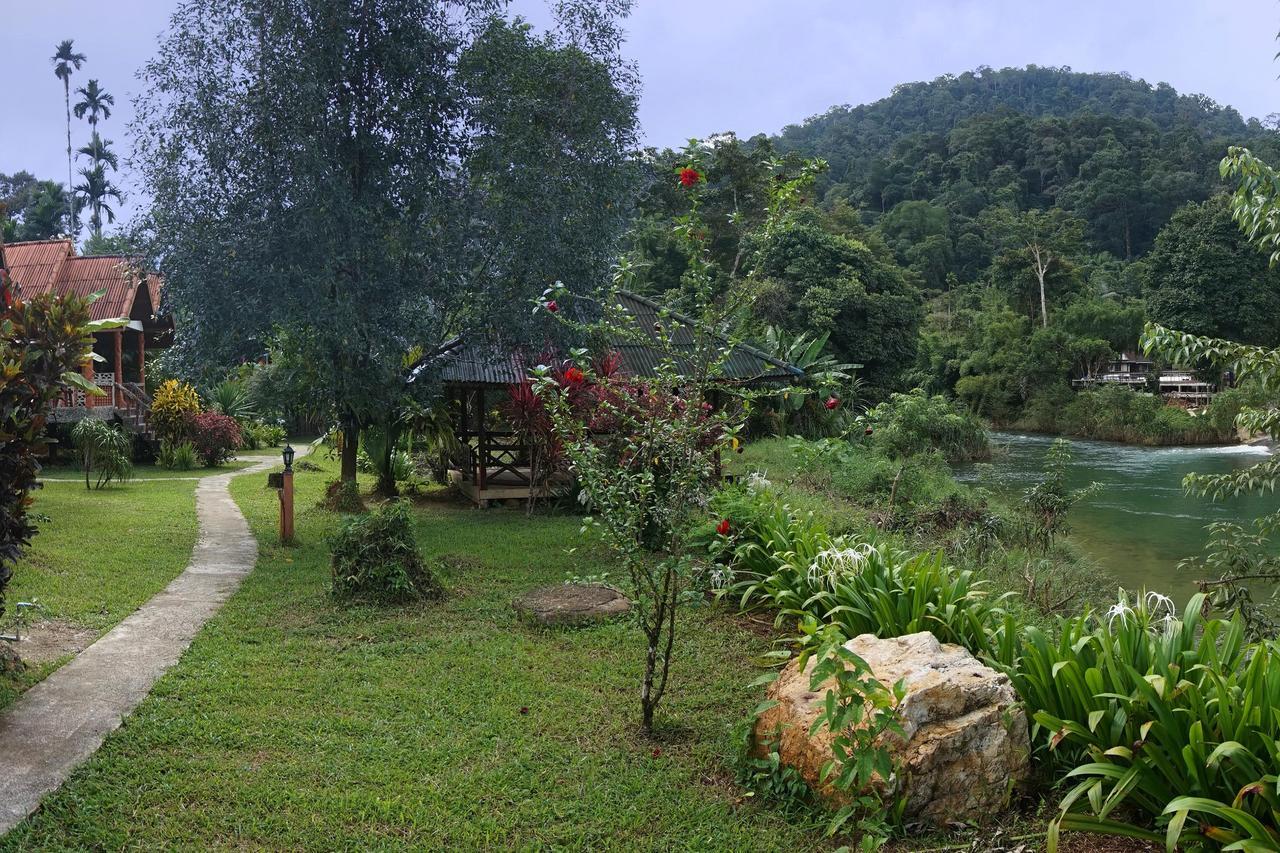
{"points": [[39, 267]]}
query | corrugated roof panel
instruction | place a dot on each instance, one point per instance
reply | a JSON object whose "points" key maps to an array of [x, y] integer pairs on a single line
{"points": [[489, 365], [116, 276], [34, 266]]}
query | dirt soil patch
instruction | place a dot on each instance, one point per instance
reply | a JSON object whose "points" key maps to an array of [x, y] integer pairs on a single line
{"points": [[52, 639]]}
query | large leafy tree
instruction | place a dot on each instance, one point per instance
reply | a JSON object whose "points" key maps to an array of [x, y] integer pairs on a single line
{"points": [[375, 176], [1203, 277], [66, 61], [1038, 244], [34, 209]]}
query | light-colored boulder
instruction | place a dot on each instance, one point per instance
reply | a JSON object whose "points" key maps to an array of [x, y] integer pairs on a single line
{"points": [[966, 746]]}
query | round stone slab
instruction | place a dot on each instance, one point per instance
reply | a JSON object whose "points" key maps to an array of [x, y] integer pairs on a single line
{"points": [[571, 604]]}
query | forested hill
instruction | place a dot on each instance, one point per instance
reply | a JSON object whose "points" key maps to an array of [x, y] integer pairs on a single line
{"points": [[1119, 152]]}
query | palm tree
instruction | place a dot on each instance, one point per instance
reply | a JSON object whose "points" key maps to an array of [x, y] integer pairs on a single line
{"points": [[98, 152], [96, 102], [96, 189], [65, 61]]}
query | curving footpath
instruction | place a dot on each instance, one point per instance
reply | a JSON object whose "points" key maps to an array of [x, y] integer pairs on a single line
{"points": [[61, 721]]}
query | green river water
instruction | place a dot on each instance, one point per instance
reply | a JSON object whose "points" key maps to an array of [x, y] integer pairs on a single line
{"points": [[1139, 524]]}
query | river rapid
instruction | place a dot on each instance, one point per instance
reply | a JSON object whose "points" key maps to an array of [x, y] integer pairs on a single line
{"points": [[1139, 524]]}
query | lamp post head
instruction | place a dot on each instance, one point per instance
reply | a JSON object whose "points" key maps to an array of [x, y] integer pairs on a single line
{"points": [[288, 457]]}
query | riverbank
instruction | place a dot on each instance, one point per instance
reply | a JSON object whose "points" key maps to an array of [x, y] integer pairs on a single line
{"points": [[1130, 417], [919, 504], [1139, 524]]}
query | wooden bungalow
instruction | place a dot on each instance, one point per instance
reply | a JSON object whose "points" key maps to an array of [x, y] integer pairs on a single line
{"points": [[128, 291], [490, 461]]}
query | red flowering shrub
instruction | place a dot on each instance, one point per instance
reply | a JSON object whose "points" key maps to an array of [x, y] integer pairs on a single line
{"points": [[216, 437], [689, 176], [723, 527], [574, 375]]}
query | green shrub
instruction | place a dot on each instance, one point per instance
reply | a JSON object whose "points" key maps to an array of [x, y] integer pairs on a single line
{"points": [[231, 398], [375, 557], [1119, 414], [179, 456], [788, 562], [104, 449], [172, 408], [1173, 720], [908, 424], [259, 434]]}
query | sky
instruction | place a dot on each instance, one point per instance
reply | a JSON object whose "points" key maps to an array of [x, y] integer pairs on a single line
{"points": [[714, 65]]}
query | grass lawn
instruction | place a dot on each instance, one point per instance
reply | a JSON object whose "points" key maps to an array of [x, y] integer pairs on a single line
{"points": [[295, 723], [102, 553]]}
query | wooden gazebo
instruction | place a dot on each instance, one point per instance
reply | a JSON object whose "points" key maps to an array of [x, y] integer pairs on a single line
{"points": [[491, 461]]}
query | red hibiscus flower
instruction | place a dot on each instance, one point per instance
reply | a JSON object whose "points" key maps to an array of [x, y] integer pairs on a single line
{"points": [[573, 374], [552, 306], [832, 404], [723, 527], [689, 176]]}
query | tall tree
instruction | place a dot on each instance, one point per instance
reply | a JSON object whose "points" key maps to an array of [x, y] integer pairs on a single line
{"points": [[36, 209], [1204, 278], [95, 103], [97, 189], [1042, 241], [65, 62], [98, 152], [358, 173]]}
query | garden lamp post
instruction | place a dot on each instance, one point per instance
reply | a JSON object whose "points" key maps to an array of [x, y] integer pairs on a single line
{"points": [[286, 496]]}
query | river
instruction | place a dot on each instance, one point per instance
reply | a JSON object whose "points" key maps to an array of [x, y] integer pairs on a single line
{"points": [[1139, 524]]}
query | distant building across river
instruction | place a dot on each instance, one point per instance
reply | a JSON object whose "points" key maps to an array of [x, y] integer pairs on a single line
{"points": [[1138, 372]]}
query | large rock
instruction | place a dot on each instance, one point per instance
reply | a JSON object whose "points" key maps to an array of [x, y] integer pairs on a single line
{"points": [[571, 604], [966, 745]]}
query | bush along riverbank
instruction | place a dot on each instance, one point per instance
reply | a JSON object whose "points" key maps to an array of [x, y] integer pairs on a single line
{"points": [[1132, 417], [1145, 722]]}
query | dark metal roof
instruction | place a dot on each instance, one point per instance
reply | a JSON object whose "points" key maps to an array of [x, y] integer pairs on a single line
{"points": [[485, 363]]}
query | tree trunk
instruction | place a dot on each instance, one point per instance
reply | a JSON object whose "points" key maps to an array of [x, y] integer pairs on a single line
{"points": [[647, 701], [350, 442], [1044, 308], [71, 204]]}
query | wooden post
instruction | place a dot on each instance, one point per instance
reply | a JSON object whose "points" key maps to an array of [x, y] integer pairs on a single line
{"points": [[142, 359], [115, 387], [286, 508], [482, 452]]}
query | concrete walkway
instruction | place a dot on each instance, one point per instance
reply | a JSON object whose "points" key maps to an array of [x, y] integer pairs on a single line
{"points": [[61, 721]]}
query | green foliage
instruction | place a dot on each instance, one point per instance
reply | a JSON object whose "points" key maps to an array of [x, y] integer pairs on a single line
{"points": [[172, 407], [646, 457], [177, 456], [43, 342], [1046, 503], [1165, 718], [105, 450], [909, 424], [231, 398], [858, 711], [787, 562], [258, 434], [1203, 277], [34, 209], [436, 196], [375, 557]]}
